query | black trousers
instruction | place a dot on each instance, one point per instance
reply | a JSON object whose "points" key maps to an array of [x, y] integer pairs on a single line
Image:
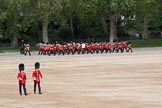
{"points": [[39, 88], [20, 89], [129, 49], [25, 53], [40, 52], [114, 49], [21, 50], [125, 48], [120, 49]]}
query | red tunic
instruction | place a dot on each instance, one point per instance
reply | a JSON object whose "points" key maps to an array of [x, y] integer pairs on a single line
{"points": [[47, 48], [89, 47], [104, 45], [60, 47], [65, 47], [130, 46], [99, 46], [95, 46], [36, 75], [125, 44], [27, 47], [86, 45], [119, 45], [77, 46], [41, 48], [52, 47], [115, 45], [22, 77], [70, 46], [57, 46], [108, 45]]}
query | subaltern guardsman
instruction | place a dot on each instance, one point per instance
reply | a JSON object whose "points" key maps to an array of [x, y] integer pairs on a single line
{"points": [[36, 75], [21, 76]]}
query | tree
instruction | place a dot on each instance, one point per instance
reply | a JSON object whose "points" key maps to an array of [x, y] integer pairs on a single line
{"points": [[112, 10], [3, 19], [92, 21], [13, 8], [147, 11], [43, 10]]}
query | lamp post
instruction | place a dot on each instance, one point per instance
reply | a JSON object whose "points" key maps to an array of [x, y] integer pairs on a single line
{"points": [[21, 13]]}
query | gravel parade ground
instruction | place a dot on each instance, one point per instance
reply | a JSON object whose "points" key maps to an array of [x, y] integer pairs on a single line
{"points": [[116, 80]]}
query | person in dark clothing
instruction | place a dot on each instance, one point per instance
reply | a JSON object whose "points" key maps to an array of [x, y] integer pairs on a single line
{"points": [[22, 47]]}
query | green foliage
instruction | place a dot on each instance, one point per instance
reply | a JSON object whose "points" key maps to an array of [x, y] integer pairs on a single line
{"points": [[147, 43], [149, 9], [73, 19]]}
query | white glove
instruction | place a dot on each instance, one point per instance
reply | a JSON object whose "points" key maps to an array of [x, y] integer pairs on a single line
{"points": [[20, 78]]}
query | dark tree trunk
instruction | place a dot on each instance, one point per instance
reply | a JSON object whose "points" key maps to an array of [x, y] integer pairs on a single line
{"points": [[145, 32], [113, 28], [15, 40], [71, 26], [45, 30]]}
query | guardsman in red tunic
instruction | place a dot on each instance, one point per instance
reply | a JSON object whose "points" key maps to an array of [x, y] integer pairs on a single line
{"points": [[99, 47], [120, 47], [27, 49], [114, 46], [21, 76], [104, 47], [36, 75], [108, 47], [51, 49], [48, 48], [75, 45], [57, 47], [89, 48], [95, 47], [77, 48], [65, 48], [60, 49], [70, 48], [125, 46], [41, 48], [129, 47]]}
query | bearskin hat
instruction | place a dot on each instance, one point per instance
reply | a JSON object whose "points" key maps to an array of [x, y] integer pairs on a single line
{"points": [[37, 65], [21, 67]]}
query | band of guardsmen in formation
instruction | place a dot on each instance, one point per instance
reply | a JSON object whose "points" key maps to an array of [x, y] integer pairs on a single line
{"points": [[83, 48], [80, 48]]}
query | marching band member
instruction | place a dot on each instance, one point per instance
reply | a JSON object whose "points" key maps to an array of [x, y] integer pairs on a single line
{"points": [[129, 47], [27, 49], [125, 46]]}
